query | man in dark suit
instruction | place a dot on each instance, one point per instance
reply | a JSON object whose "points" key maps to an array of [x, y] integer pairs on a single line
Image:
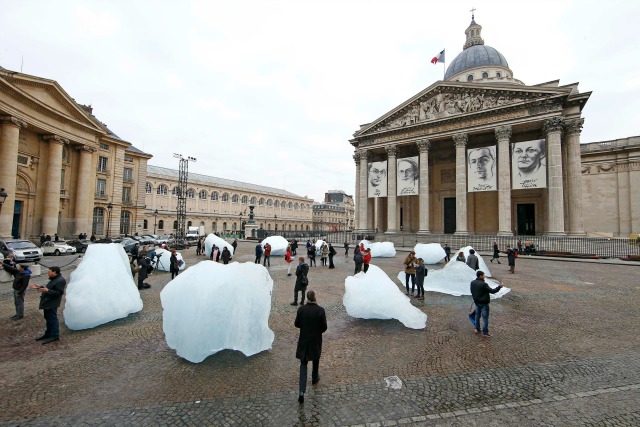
{"points": [[50, 299], [312, 321]]}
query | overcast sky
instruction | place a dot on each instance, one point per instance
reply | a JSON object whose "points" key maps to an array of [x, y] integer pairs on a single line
{"points": [[270, 92]]}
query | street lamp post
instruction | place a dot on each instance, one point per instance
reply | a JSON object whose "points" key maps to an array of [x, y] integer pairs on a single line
{"points": [[3, 197], [109, 208], [155, 220]]}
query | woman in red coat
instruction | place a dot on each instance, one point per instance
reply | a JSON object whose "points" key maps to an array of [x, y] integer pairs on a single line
{"points": [[289, 260]]}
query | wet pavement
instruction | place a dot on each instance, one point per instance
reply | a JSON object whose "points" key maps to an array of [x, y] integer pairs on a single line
{"points": [[564, 352]]}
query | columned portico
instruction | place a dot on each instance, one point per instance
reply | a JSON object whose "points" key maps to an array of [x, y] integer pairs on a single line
{"points": [[460, 141], [84, 191], [423, 149], [573, 127], [555, 201], [363, 219], [9, 141], [52, 193], [503, 135], [391, 190]]}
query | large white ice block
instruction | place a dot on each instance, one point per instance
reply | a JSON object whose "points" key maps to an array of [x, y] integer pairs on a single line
{"points": [[212, 307], [101, 288], [380, 249], [278, 245], [431, 253], [373, 295], [483, 265], [164, 262], [211, 240]]}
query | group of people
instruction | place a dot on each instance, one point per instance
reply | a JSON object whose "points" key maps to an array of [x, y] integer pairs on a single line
{"points": [[415, 271], [361, 258], [326, 252]]}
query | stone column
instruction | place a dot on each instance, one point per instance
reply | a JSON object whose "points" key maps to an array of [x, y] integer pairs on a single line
{"points": [[460, 141], [356, 222], [423, 197], [503, 135], [362, 201], [52, 186], [555, 203], [84, 191], [9, 141], [391, 191], [574, 176]]}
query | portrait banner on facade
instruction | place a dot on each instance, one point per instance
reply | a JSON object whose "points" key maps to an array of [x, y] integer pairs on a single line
{"points": [[482, 171], [377, 179], [408, 176], [529, 164]]}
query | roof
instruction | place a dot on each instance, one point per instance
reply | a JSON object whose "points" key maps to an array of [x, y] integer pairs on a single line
{"points": [[475, 56], [220, 182]]}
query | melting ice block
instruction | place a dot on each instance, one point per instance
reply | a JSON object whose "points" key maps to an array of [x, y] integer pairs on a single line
{"points": [[164, 262], [373, 295], [278, 245], [101, 289], [431, 253], [483, 265], [212, 307], [211, 240], [380, 249], [453, 279]]}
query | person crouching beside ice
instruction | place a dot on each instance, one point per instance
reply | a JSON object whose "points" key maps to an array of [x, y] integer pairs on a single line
{"points": [[421, 273], [410, 271], [289, 260], [301, 281], [461, 257]]}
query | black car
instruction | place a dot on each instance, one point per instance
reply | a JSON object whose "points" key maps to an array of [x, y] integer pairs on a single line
{"points": [[80, 245]]}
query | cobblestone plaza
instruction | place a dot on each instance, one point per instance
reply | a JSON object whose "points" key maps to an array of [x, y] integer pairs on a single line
{"points": [[564, 352]]}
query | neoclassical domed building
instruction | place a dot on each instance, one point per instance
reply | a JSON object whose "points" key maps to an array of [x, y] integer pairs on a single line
{"points": [[478, 152]]}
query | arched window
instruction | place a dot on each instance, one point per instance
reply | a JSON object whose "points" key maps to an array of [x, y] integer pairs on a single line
{"points": [[269, 226], [214, 195], [202, 195], [189, 224], [233, 226], [175, 192], [261, 202], [295, 227], [276, 203], [295, 207], [98, 221], [162, 190], [283, 204], [161, 224], [224, 226], [470, 77], [145, 224], [290, 205], [269, 202], [175, 225], [214, 226], [485, 75], [201, 223], [225, 197], [125, 222], [307, 228], [245, 199], [289, 227], [498, 75], [147, 188], [235, 198], [253, 200], [191, 193]]}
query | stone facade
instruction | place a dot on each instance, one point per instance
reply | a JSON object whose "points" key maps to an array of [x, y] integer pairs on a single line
{"points": [[62, 167], [337, 213]]}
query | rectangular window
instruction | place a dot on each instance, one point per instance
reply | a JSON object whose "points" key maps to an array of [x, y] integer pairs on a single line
{"points": [[128, 159], [102, 163], [62, 174], [104, 146], [101, 187], [128, 175], [126, 194]]}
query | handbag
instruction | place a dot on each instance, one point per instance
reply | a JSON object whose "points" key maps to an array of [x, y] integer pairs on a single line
{"points": [[304, 281]]}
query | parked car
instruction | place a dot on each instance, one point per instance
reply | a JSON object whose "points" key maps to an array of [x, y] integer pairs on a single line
{"points": [[128, 243], [57, 248], [164, 238], [80, 245], [144, 240], [23, 250]]}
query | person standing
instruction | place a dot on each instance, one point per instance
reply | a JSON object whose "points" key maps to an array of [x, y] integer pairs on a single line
{"points": [[358, 260], [199, 247], [308, 243], [480, 291], [43, 238], [302, 281], [174, 266], [21, 276], [324, 254], [311, 253], [520, 246], [294, 247], [447, 252], [56, 238], [332, 252], [226, 256], [289, 260], [421, 274], [267, 255], [143, 263], [366, 259], [346, 249], [511, 258], [496, 252], [472, 260], [410, 271], [258, 253], [311, 319], [92, 238], [234, 245], [50, 299]]}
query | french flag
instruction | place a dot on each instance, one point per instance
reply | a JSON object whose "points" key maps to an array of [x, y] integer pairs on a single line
{"points": [[439, 58]]}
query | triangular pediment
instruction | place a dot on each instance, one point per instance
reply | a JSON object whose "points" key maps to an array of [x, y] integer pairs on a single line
{"points": [[450, 100]]}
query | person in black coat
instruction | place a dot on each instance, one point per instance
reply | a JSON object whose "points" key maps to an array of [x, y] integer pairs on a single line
{"points": [[312, 321], [258, 253], [302, 281], [294, 247], [511, 257], [174, 265], [50, 299], [496, 252], [144, 271], [332, 253], [226, 255], [421, 273], [480, 291], [21, 276]]}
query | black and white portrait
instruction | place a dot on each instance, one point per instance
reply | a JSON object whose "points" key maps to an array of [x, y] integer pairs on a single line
{"points": [[408, 176], [482, 174], [529, 164], [378, 179]]}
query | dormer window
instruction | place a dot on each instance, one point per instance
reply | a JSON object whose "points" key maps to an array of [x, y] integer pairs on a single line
{"points": [[498, 75], [485, 75], [470, 78]]}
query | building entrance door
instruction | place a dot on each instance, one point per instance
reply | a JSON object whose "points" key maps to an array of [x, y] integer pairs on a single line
{"points": [[449, 215], [17, 213], [527, 219]]}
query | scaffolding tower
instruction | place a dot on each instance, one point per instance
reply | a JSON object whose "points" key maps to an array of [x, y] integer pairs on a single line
{"points": [[183, 177]]}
